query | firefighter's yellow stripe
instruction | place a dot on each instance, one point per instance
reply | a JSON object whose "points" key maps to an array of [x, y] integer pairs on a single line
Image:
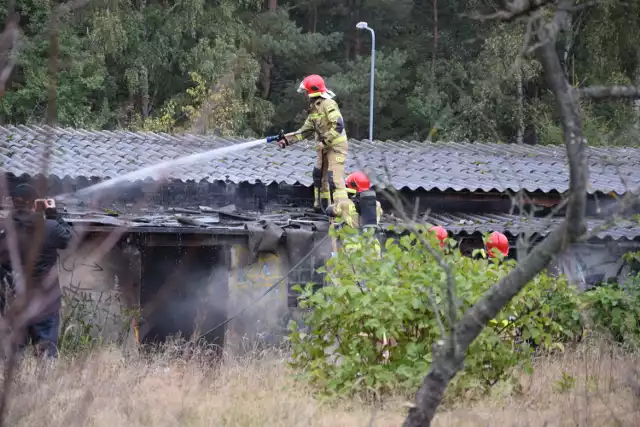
{"points": [[340, 194]]}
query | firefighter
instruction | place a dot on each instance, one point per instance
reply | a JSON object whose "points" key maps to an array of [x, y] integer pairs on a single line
{"points": [[441, 234], [361, 208], [359, 191], [325, 122], [499, 242], [360, 197]]}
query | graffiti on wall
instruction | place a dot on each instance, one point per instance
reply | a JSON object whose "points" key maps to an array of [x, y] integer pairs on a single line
{"points": [[77, 271], [266, 320], [264, 272], [89, 292]]}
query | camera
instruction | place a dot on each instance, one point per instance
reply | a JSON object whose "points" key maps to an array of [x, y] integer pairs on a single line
{"points": [[41, 205]]}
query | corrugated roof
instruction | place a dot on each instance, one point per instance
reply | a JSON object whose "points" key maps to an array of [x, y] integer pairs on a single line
{"points": [[414, 165], [626, 229], [210, 221]]}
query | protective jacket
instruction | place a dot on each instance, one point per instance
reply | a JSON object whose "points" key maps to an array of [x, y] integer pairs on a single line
{"points": [[348, 214], [325, 121]]}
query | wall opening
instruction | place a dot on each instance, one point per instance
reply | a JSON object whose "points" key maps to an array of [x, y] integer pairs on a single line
{"points": [[184, 290]]}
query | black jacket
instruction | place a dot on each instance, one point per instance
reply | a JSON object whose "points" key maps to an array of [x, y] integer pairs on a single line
{"points": [[57, 235]]}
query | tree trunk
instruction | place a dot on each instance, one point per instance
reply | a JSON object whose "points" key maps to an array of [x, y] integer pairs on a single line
{"points": [[636, 102], [357, 41], [54, 52], [313, 16], [448, 355], [520, 131], [144, 91], [349, 31], [266, 66], [567, 48], [435, 35]]}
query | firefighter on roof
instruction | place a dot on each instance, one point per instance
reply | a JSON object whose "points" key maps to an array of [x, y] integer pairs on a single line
{"points": [[325, 122], [362, 209]]}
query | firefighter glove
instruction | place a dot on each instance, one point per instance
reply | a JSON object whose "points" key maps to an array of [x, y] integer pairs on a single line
{"points": [[283, 142]]}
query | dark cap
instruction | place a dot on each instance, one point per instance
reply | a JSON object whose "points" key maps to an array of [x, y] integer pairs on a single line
{"points": [[24, 192]]}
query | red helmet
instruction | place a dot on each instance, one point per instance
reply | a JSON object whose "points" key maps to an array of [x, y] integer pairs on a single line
{"points": [[357, 182], [313, 86], [499, 241], [441, 234]]}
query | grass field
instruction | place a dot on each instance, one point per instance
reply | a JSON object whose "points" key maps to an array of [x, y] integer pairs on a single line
{"points": [[592, 385]]}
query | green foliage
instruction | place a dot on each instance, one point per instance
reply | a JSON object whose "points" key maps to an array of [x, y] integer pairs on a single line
{"points": [[85, 321], [565, 383], [79, 330], [127, 64], [353, 85], [399, 304], [615, 311]]}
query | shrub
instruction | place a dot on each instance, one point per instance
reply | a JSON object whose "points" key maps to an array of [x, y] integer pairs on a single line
{"points": [[614, 311], [384, 315]]}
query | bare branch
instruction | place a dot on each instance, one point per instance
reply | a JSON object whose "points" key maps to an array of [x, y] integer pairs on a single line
{"points": [[71, 6], [515, 9], [572, 126], [9, 43], [607, 92], [447, 364]]}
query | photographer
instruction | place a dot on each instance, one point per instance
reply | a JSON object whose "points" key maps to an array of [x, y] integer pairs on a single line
{"points": [[36, 222]]}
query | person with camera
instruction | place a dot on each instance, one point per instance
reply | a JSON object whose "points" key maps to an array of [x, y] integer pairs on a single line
{"points": [[40, 232]]}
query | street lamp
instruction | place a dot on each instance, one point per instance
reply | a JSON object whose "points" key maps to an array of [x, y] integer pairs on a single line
{"points": [[364, 26]]}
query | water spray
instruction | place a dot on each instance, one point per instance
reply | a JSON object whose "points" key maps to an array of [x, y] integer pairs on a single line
{"points": [[159, 171]]}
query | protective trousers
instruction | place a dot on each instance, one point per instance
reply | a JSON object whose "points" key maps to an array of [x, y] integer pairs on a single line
{"points": [[328, 174]]}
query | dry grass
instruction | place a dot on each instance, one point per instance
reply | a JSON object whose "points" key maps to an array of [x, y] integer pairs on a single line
{"points": [[108, 389]]}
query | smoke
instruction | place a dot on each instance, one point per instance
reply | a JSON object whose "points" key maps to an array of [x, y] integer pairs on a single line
{"points": [[184, 292], [194, 294], [261, 319]]}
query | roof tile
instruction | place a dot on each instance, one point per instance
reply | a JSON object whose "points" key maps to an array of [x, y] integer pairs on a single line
{"points": [[456, 223], [414, 165]]}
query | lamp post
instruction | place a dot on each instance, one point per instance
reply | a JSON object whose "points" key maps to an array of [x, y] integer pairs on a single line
{"points": [[364, 26]]}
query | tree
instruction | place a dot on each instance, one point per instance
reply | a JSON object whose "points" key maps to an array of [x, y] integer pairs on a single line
{"points": [[445, 76], [449, 356]]}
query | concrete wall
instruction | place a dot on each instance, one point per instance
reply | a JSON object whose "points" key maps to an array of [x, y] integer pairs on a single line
{"points": [[106, 288], [100, 288], [265, 321], [584, 263]]}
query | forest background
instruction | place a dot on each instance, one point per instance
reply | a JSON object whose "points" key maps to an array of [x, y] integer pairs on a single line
{"points": [[440, 74]]}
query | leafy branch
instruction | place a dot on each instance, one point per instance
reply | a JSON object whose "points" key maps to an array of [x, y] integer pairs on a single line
{"points": [[448, 363]]}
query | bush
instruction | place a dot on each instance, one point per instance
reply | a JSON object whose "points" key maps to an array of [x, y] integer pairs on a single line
{"points": [[385, 314], [614, 311]]}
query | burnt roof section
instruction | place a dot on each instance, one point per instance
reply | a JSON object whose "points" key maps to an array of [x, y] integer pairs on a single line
{"points": [[413, 165], [228, 220], [201, 220]]}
